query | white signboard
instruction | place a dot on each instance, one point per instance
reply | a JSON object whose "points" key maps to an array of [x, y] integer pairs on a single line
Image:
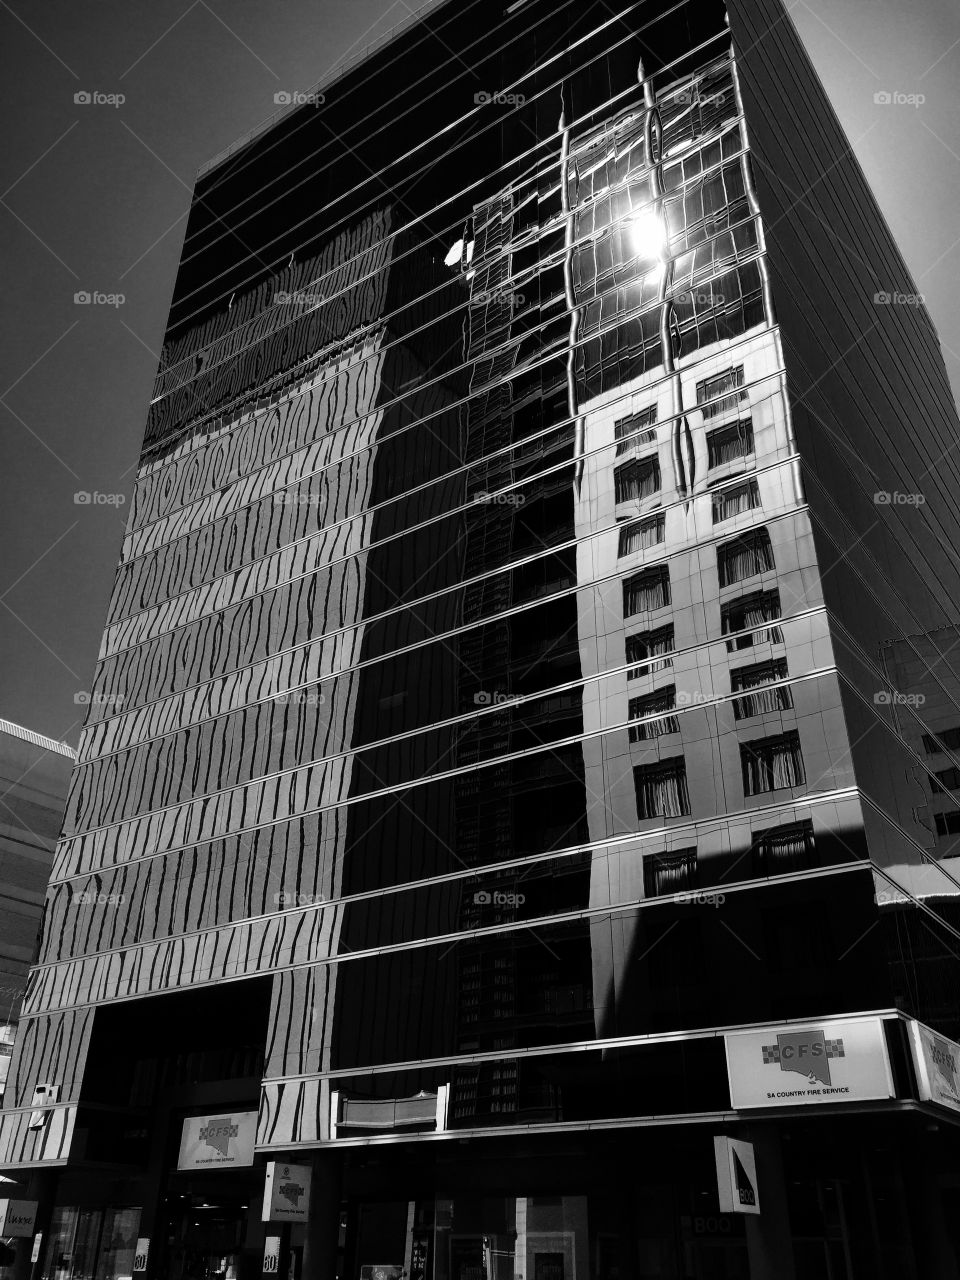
{"points": [[17, 1217], [218, 1141], [938, 1066], [271, 1256], [286, 1192], [141, 1254], [736, 1176], [809, 1064]]}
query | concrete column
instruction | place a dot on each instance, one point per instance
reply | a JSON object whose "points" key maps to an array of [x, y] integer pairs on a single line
{"points": [[769, 1241], [323, 1227]]}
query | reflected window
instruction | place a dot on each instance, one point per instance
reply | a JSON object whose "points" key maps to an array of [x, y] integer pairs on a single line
{"points": [[727, 444], [662, 789], [735, 500], [633, 431], [752, 611], [637, 479], [669, 872], [722, 392], [641, 534], [772, 764], [744, 557], [646, 646], [650, 705], [755, 677], [945, 740], [945, 780], [948, 824], [647, 590], [782, 849]]}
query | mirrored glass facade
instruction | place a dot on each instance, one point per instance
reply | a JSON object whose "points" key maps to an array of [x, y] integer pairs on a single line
{"points": [[486, 712]]}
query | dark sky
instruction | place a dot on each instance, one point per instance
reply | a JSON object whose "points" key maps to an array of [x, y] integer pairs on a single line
{"points": [[95, 198]]}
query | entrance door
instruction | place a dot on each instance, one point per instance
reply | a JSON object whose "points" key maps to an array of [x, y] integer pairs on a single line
{"points": [[213, 1233]]}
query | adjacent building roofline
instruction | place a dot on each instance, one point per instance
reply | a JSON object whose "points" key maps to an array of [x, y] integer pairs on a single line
{"points": [[348, 63], [38, 739]]}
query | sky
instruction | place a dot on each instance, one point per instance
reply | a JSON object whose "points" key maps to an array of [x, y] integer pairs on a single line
{"points": [[94, 200]]}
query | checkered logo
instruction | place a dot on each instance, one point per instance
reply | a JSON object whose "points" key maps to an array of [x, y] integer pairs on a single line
{"points": [[806, 1052], [834, 1049]]}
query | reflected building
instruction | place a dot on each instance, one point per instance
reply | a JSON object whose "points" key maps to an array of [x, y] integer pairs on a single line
{"points": [[488, 797], [35, 775]]}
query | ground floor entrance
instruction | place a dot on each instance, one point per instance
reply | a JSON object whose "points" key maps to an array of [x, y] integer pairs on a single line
{"points": [[849, 1198]]}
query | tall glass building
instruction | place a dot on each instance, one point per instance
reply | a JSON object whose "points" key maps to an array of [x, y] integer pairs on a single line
{"points": [[494, 792]]}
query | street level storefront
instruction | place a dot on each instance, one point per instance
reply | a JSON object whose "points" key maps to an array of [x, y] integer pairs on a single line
{"points": [[845, 1163], [840, 1197]]}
